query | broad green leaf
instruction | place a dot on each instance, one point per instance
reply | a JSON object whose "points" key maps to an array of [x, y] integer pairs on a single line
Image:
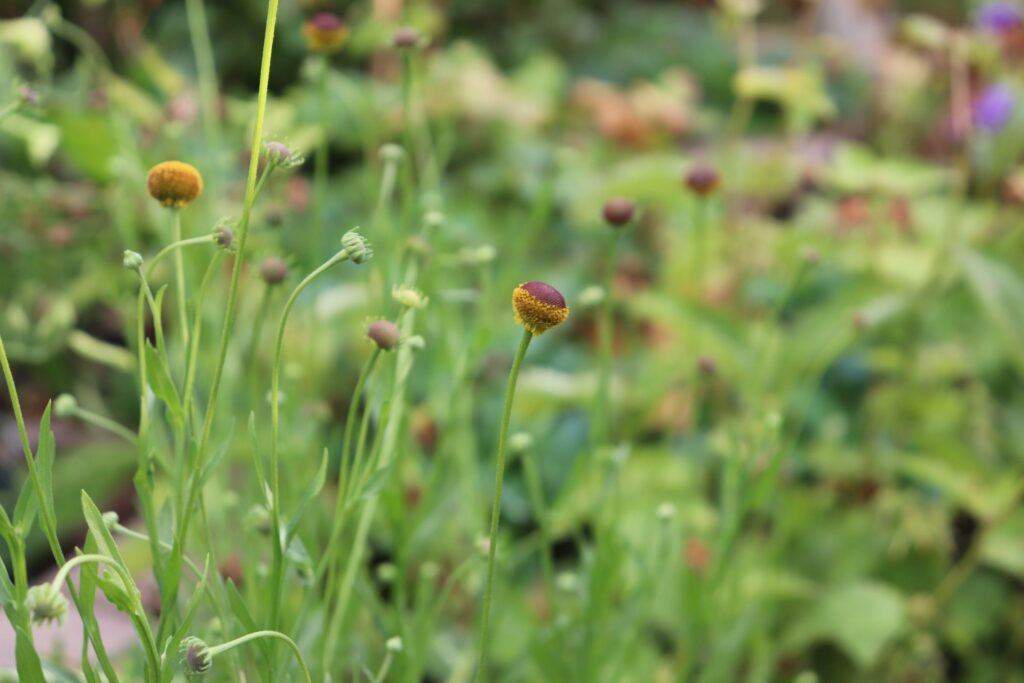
{"points": [[1000, 290], [30, 669], [159, 376], [312, 491], [860, 618], [105, 543]]}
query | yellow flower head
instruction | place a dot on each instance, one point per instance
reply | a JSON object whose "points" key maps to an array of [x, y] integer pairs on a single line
{"points": [[325, 33], [538, 307], [174, 183]]}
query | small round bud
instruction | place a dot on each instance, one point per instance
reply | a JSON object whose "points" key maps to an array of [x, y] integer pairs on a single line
{"points": [[224, 237], [591, 296], [406, 37], [520, 442], [65, 405], [567, 582], [174, 184], [703, 180], [618, 211], [384, 334], [387, 572], [195, 656], [46, 605], [357, 248], [274, 270], [392, 153], [279, 154], [538, 307], [666, 512], [110, 519], [433, 219], [394, 644], [325, 33], [478, 256], [707, 366], [29, 96], [132, 260], [409, 297]]}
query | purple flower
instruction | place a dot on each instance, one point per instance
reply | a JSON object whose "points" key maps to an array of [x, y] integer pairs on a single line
{"points": [[994, 107], [999, 17]]}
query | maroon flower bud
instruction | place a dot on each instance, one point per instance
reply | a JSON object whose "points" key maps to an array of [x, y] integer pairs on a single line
{"points": [[384, 334], [406, 37], [274, 270], [618, 211], [703, 180], [538, 306]]}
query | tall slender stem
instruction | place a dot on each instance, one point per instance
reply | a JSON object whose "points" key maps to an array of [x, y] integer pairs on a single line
{"points": [[277, 573], [321, 168], [492, 544], [179, 276], [606, 334], [202, 48], [195, 483]]}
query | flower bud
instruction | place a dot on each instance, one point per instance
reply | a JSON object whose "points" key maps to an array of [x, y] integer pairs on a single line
{"points": [[406, 37], [195, 656], [46, 604], [258, 519], [224, 237], [618, 211], [325, 33], [174, 184], [384, 334], [666, 512], [591, 296], [65, 405], [392, 153], [409, 297], [703, 180], [279, 154], [538, 307], [357, 248], [274, 270], [394, 644], [520, 442], [132, 260], [110, 519], [416, 342]]}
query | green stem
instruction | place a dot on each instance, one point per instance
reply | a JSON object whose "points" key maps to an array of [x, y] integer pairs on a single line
{"points": [[606, 341], [492, 545], [202, 48], [179, 277], [195, 484], [176, 246], [277, 574], [322, 152], [344, 466], [224, 647], [106, 423], [536, 492]]}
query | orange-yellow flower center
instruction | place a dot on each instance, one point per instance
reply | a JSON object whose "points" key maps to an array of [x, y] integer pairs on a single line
{"points": [[174, 183], [538, 307]]}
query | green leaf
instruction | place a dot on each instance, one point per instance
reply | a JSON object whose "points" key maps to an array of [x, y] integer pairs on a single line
{"points": [[105, 544], [25, 509], [217, 457], [376, 482], [30, 669], [1000, 292], [1003, 545], [256, 461], [860, 618], [6, 587], [312, 491], [45, 453], [160, 381]]}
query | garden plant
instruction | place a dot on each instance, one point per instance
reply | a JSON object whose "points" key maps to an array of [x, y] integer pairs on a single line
{"points": [[567, 342]]}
